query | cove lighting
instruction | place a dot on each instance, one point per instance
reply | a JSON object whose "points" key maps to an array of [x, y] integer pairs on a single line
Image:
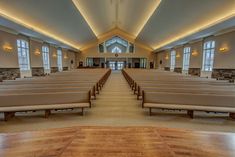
{"points": [[146, 19], [85, 16], [209, 24], [35, 28]]}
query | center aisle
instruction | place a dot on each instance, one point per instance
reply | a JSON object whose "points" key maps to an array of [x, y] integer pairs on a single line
{"points": [[116, 105]]}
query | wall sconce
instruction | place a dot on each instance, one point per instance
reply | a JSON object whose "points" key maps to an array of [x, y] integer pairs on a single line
{"points": [[194, 53], [54, 55], [37, 52], [167, 57], [223, 49], [7, 48], [178, 55], [65, 57]]}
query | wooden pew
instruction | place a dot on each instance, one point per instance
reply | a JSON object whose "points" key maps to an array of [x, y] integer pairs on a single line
{"points": [[43, 101], [189, 102], [48, 90], [65, 90], [227, 90], [48, 85]]}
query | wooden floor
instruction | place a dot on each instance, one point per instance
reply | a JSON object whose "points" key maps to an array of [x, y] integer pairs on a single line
{"points": [[117, 142]]}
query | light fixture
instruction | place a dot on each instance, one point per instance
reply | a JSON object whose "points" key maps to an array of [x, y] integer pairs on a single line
{"points": [[167, 57], [85, 15], [196, 29], [194, 53], [7, 47], [34, 27], [37, 52], [54, 55], [178, 55], [65, 56], [223, 49], [147, 16]]}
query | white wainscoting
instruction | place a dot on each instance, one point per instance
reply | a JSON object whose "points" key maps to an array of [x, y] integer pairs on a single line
{"points": [[206, 74], [25, 73]]}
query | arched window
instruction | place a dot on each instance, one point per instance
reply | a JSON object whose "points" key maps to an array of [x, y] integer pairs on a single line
{"points": [[23, 55], [173, 55], [59, 60], [116, 50], [186, 59], [116, 45], [208, 55], [45, 57]]}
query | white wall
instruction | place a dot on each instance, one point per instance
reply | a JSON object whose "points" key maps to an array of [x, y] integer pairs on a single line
{"points": [[93, 53], [36, 60], [10, 59], [225, 60], [222, 60]]}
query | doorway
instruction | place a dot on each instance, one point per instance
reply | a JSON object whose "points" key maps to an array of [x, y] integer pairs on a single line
{"points": [[116, 65], [120, 65], [112, 65]]}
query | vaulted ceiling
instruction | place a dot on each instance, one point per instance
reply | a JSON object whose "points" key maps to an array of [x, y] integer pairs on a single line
{"points": [[128, 15], [157, 23]]}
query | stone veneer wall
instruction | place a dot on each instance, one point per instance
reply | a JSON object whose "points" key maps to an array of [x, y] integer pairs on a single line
{"points": [[9, 73], [178, 70], [38, 71], [167, 68], [54, 69], [194, 71], [65, 68], [223, 74]]}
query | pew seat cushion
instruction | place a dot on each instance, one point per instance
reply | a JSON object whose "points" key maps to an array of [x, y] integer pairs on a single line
{"points": [[43, 107], [189, 107]]}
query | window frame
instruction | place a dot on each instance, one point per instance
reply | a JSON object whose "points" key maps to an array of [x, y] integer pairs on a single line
{"points": [[59, 60], [186, 58], [23, 59], [46, 57], [116, 48], [208, 56], [173, 60]]}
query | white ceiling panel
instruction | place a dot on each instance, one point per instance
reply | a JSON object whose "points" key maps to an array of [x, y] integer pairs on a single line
{"points": [[100, 14], [128, 15], [133, 14], [176, 19], [79, 22], [59, 18]]}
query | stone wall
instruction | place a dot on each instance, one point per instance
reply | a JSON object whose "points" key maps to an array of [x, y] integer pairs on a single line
{"points": [[167, 68], [54, 69], [65, 68], [194, 71], [37, 71], [178, 70], [223, 74], [9, 73]]}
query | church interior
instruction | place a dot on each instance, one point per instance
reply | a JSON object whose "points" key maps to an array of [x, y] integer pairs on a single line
{"points": [[117, 78]]}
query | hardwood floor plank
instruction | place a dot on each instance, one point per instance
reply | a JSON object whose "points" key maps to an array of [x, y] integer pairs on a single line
{"points": [[117, 142]]}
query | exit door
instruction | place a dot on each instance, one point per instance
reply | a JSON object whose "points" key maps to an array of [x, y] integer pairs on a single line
{"points": [[116, 65]]}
